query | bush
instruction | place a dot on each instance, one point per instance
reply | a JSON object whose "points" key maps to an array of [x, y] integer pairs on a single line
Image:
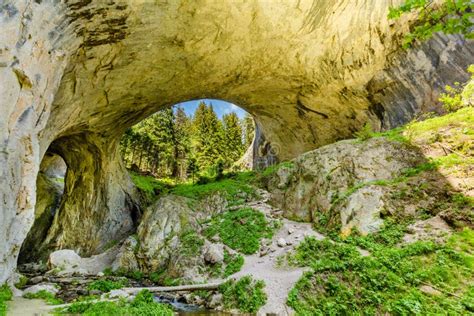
{"points": [[241, 229], [5, 295], [460, 95], [366, 132], [245, 294], [107, 285]]}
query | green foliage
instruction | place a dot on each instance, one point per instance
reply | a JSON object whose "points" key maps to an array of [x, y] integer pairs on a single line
{"points": [[234, 191], [50, 298], [457, 97], [191, 244], [386, 282], [142, 305], [241, 229], [149, 185], [366, 132], [233, 263], [22, 282], [6, 294], [107, 285], [245, 294], [448, 16]]}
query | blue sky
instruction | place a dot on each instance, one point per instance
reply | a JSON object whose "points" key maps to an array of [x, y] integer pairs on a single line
{"points": [[220, 107]]}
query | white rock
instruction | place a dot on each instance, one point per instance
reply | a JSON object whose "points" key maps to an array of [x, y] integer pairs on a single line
{"points": [[216, 300], [281, 242], [214, 253], [290, 230], [63, 258]]}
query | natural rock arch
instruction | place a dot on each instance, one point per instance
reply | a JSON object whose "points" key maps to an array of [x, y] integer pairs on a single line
{"points": [[75, 75]]}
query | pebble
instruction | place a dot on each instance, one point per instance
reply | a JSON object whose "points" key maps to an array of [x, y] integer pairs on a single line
{"points": [[281, 242]]}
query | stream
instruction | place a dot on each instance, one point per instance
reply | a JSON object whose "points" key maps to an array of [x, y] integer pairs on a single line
{"points": [[188, 309]]}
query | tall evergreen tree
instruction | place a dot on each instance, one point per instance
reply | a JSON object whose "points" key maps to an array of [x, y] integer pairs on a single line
{"points": [[233, 146]]}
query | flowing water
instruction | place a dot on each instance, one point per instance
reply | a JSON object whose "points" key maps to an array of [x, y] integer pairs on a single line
{"points": [[188, 309]]}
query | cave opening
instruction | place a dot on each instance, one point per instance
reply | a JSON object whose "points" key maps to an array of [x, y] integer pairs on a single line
{"points": [[50, 186]]}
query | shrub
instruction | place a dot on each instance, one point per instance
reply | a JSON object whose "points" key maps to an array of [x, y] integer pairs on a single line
{"points": [[107, 285], [366, 132], [241, 229], [5, 295]]}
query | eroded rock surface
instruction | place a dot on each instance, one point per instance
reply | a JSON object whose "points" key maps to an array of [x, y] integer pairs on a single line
{"points": [[76, 74]]}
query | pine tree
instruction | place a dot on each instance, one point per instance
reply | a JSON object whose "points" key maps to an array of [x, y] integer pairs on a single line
{"points": [[233, 146]]}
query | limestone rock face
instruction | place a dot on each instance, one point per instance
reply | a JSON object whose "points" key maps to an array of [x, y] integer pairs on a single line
{"points": [[160, 231], [76, 74], [334, 180]]}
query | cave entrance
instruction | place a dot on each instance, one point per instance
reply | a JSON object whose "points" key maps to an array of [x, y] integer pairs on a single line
{"points": [[49, 192], [195, 138]]}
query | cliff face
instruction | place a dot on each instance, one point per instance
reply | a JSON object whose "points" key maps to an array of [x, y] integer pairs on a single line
{"points": [[76, 74]]}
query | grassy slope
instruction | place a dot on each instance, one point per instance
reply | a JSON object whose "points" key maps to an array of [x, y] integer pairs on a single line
{"points": [[392, 279]]}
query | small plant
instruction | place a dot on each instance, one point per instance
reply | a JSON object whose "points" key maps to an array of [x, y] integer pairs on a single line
{"points": [[246, 294], [365, 133], [460, 95], [107, 285], [6, 294], [22, 282], [233, 263], [49, 297]]}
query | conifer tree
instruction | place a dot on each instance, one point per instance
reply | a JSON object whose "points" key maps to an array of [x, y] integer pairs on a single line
{"points": [[233, 146]]}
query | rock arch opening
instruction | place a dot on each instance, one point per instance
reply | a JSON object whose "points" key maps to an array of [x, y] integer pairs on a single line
{"points": [[197, 136], [50, 184]]}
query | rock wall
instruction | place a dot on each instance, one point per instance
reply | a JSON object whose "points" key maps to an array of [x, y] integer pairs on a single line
{"points": [[76, 74]]}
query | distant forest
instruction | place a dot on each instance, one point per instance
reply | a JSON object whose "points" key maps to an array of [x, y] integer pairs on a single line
{"points": [[172, 144]]}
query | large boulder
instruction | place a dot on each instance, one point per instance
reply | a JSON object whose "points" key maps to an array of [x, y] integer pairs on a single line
{"points": [[66, 261], [340, 184]]}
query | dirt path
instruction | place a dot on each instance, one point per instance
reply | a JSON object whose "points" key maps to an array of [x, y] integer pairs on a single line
{"points": [[279, 280], [20, 306]]}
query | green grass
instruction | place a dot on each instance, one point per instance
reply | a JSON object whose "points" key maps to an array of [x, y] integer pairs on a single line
{"points": [[191, 243], [246, 294], [142, 305], [107, 285], [236, 191], [388, 281], [233, 263], [424, 129], [6, 294], [241, 229], [149, 185], [50, 298]]}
